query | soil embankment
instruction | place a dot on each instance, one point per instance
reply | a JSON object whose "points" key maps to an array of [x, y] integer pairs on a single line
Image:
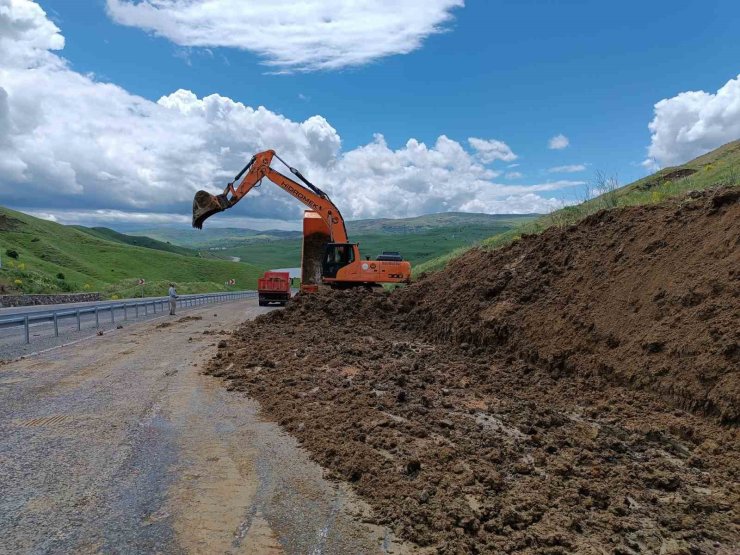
{"points": [[645, 296], [574, 392]]}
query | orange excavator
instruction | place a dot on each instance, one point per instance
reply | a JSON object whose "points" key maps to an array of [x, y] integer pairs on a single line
{"points": [[327, 255]]}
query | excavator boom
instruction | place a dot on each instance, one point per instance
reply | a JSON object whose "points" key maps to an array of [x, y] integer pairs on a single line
{"points": [[333, 258], [206, 205]]}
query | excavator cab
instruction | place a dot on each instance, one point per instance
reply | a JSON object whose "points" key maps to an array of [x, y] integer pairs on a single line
{"points": [[336, 257]]}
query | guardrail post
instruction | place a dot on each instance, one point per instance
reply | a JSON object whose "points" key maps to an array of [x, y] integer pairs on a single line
{"points": [[79, 321], [136, 307], [27, 329], [125, 312], [112, 314], [97, 318], [56, 325]]}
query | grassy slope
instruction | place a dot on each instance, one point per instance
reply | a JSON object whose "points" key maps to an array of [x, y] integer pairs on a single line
{"points": [[135, 240], [721, 167], [89, 262], [211, 237], [414, 241]]}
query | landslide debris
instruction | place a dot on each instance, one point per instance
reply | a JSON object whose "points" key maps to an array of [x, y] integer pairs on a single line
{"points": [[532, 399], [647, 297]]}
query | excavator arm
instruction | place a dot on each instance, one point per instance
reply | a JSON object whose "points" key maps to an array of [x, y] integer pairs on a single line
{"points": [[206, 204]]}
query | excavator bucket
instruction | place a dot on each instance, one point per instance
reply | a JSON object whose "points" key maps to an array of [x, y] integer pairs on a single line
{"points": [[206, 205]]}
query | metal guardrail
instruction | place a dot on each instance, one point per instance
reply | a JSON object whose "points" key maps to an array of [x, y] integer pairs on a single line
{"points": [[60, 315]]}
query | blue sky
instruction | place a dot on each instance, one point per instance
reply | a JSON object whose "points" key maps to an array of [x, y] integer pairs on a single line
{"points": [[516, 72]]}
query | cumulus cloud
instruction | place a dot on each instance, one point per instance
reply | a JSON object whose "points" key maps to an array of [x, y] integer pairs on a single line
{"points": [[289, 35], [109, 217], [514, 175], [693, 123], [76, 147], [558, 142], [491, 150], [573, 168]]}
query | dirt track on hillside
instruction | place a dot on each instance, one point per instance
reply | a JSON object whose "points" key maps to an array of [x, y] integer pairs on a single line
{"points": [[575, 392]]}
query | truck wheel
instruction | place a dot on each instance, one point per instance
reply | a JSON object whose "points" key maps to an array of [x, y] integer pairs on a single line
{"points": [[262, 303]]}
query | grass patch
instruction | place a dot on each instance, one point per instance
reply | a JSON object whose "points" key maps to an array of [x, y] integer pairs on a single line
{"points": [[89, 262]]}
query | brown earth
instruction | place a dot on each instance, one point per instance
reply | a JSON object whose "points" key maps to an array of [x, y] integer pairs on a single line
{"points": [[575, 392], [646, 296], [8, 223], [667, 178], [190, 319]]}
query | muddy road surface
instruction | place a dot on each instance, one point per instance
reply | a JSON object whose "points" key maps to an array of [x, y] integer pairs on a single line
{"points": [[118, 444]]}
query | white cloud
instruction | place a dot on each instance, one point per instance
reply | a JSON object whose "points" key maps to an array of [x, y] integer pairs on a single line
{"points": [[491, 150], [523, 204], [574, 168], [73, 145], [693, 123], [26, 34], [558, 142], [104, 217], [514, 175], [289, 35]]}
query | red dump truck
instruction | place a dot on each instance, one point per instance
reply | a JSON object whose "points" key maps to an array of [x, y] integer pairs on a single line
{"points": [[273, 287]]}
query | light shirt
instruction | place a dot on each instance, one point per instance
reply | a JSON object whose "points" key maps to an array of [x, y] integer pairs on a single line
{"points": [[173, 293]]}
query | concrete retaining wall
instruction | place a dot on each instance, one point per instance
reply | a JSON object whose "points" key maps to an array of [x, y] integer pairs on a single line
{"points": [[28, 300]]}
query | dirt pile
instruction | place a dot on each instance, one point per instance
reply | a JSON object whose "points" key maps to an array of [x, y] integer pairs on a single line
{"points": [[645, 296], [189, 319], [471, 429]]}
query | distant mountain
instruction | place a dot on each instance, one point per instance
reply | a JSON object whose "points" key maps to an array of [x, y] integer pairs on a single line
{"points": [[418, 239], [429, 222], [219, 238], [213, 237], [135, 240]]}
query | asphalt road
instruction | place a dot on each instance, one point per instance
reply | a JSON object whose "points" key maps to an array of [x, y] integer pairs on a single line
{"points": [[118, 444], [11, 338], [43, 334]]}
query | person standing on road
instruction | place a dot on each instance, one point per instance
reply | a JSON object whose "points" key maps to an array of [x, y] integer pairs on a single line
{"points": [[173, 299]]}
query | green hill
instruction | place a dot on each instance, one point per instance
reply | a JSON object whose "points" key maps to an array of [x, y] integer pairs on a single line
{"points": [[417, 239], [212, 238], [135, 240], [720, 167], [50, 257]]}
